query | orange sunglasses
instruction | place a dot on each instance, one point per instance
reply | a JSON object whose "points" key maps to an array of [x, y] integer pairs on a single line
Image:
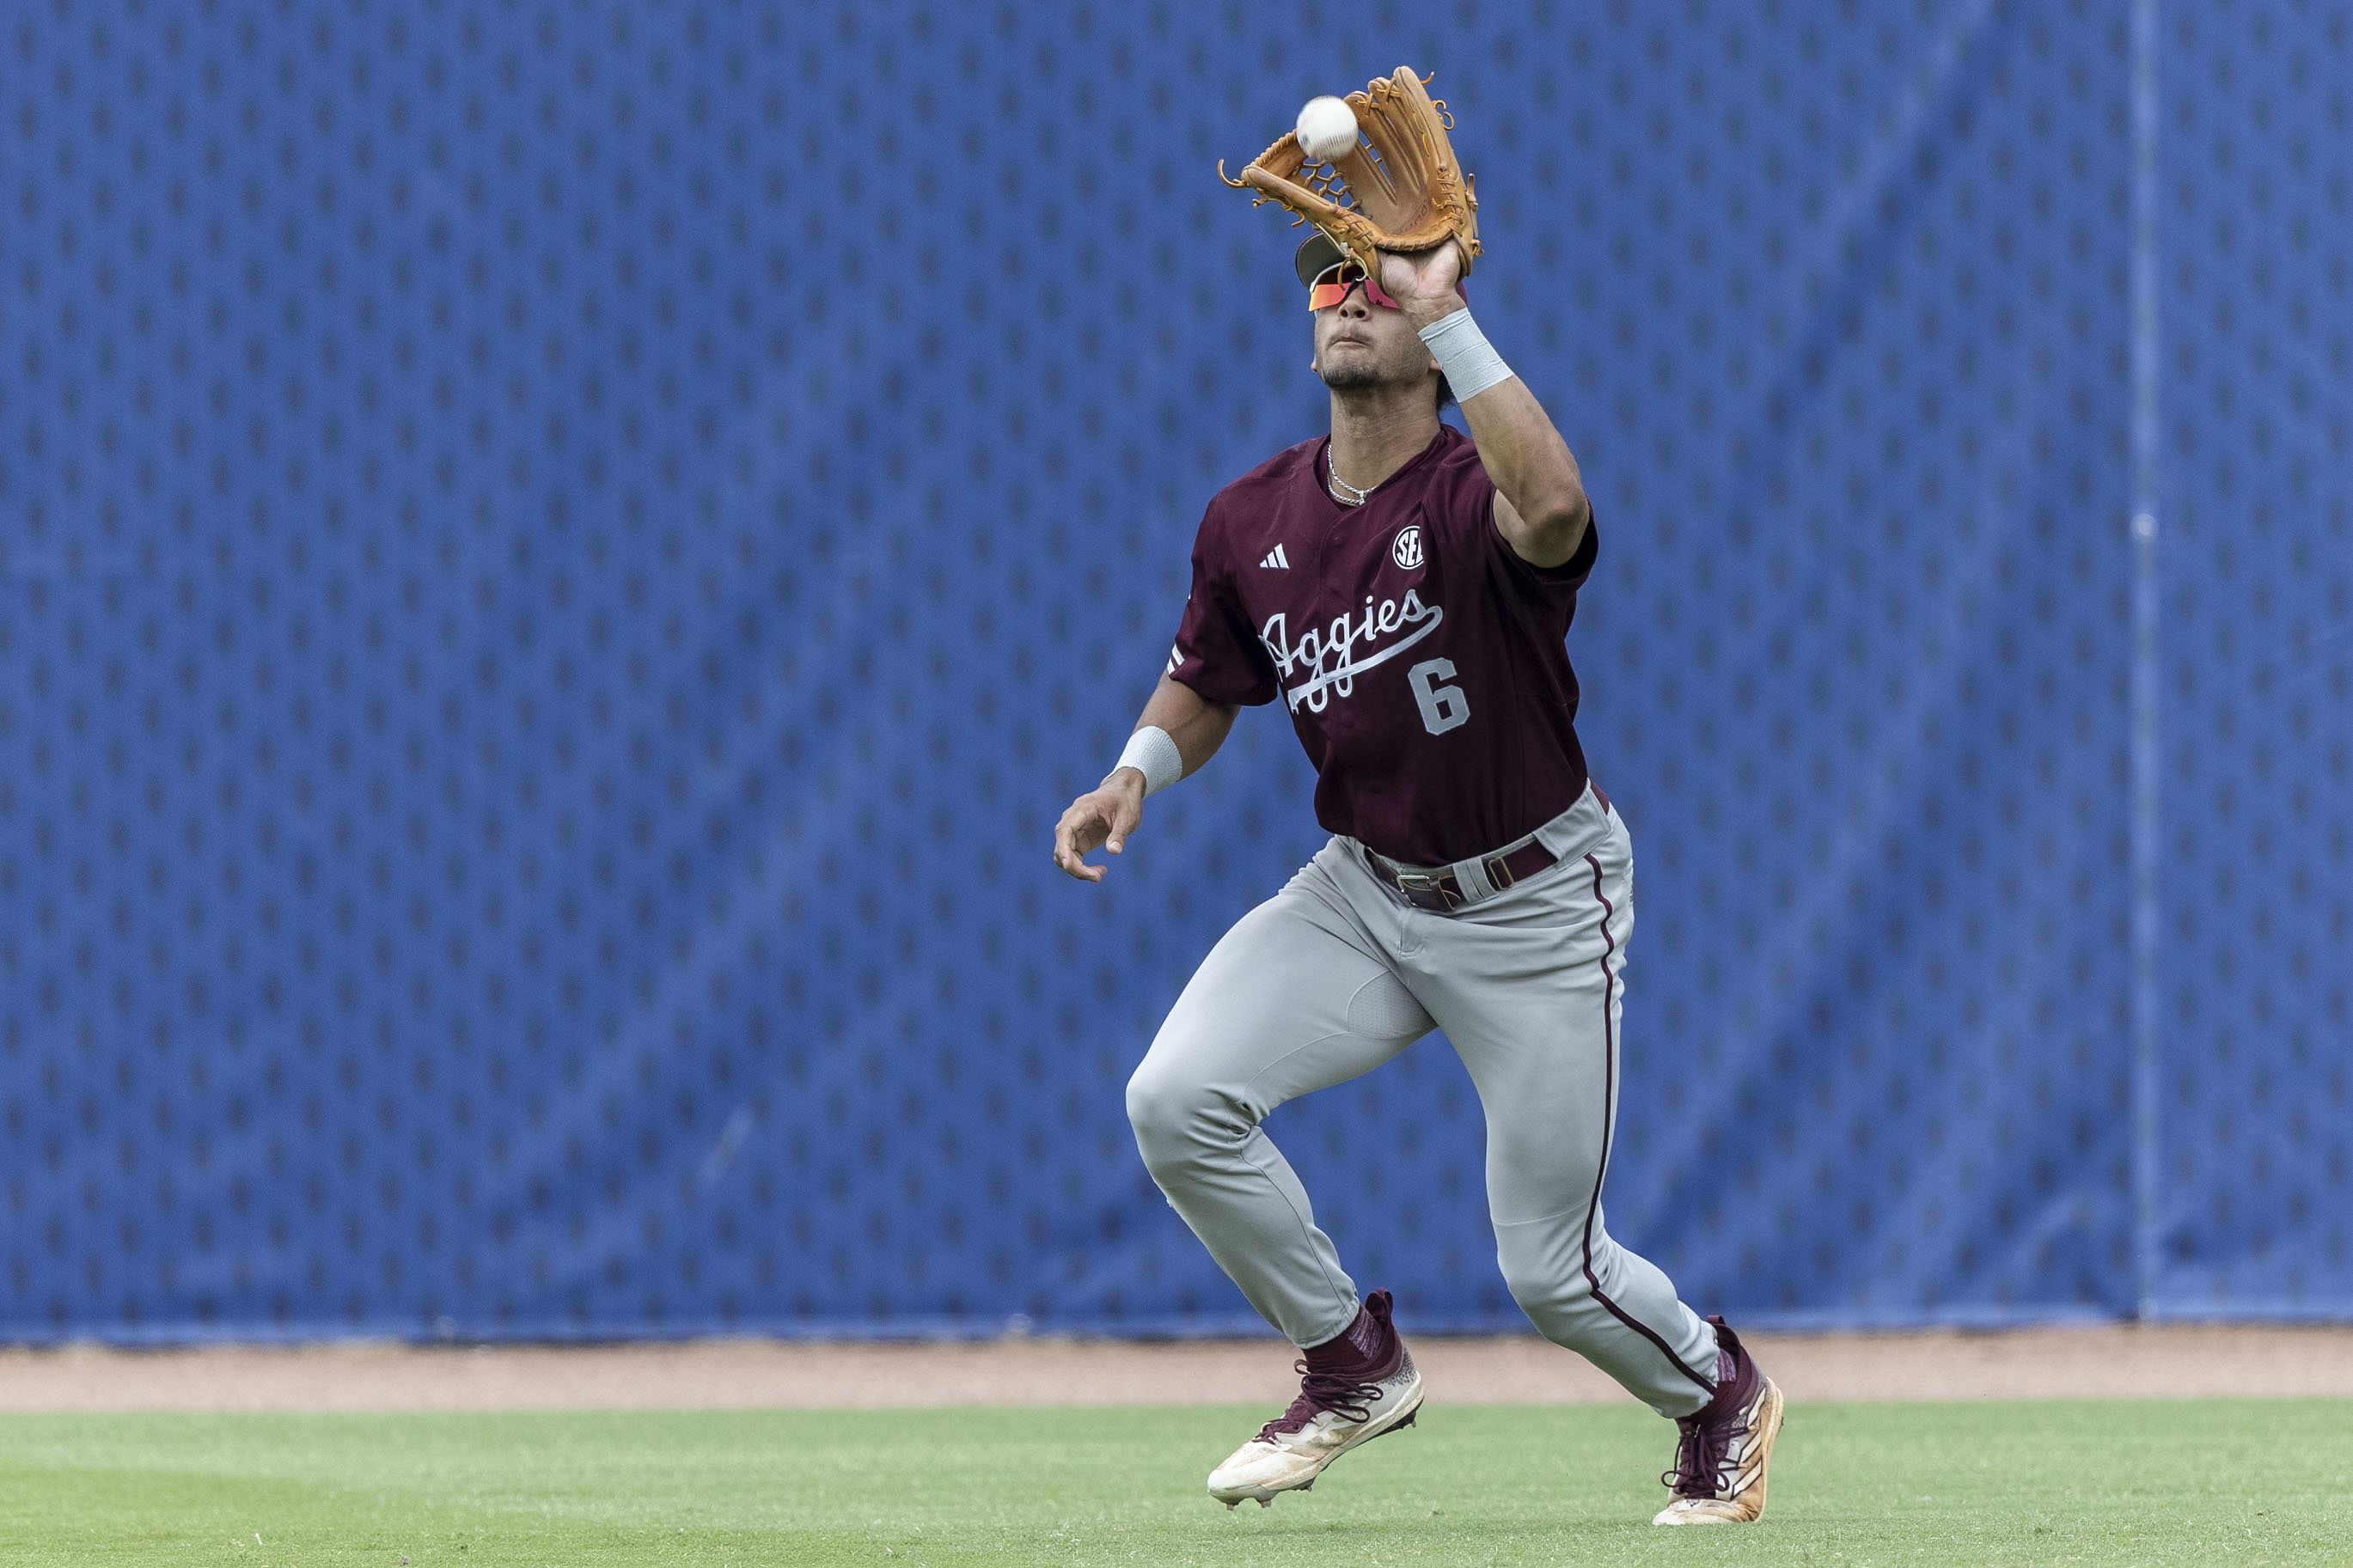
{"points": [[1332, 286]]}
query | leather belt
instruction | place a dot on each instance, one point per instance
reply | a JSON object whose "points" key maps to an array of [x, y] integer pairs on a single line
{"points": [[1442, 891]]}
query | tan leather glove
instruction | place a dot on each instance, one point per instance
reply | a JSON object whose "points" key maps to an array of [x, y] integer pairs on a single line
{"points": [[1404, 192]]}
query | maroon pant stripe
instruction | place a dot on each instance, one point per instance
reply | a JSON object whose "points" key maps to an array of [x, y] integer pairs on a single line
{"points": [[1608, 1092]]}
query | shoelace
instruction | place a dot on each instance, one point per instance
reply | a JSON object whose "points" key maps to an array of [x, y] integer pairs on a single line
{"points": [[1338, 1392], [1699, 1460]]}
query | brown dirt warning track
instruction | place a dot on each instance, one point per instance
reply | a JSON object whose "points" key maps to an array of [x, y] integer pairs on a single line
{"points": [[2069, 1362]]}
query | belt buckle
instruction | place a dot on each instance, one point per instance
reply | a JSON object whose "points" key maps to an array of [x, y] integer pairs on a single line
{"points": [[1417, 885], [1499, 872]]}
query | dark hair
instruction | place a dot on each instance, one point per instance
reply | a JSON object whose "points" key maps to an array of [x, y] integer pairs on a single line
{"points": [[1445, 393]]}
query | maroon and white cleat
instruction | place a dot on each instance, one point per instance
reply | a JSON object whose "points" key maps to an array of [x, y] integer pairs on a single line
{"points": [[1351, 1391], [1719, 1474]]}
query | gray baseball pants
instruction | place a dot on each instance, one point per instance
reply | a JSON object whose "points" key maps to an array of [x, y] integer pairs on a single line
{"points": [[1336, 974]]}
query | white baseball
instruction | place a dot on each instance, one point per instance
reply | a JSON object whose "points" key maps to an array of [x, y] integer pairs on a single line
{"points": [[1327, 127]]}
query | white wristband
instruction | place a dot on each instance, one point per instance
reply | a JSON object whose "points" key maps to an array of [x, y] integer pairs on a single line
{"points": [[1462, 353], [1152, 752]]}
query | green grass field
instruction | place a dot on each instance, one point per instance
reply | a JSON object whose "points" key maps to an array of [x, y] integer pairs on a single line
{"points": [[2058, 1482]]}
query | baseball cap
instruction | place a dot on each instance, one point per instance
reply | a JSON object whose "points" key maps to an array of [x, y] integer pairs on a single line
{"points": [[1316, 252], [1320, 250]]}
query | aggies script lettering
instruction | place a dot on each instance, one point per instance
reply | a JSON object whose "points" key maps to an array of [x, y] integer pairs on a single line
{"points": [[1328, 657], [1466, 740]]}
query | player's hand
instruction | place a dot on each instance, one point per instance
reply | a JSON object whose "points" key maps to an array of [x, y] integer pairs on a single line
{"points": [[1103, 816], [1423, 282]]}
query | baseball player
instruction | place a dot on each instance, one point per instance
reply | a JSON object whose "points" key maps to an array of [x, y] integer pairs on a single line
{"points": [[1404, 591]]}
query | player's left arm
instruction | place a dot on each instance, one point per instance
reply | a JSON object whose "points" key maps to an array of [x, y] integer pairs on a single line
{"points": [[1540, 505]]}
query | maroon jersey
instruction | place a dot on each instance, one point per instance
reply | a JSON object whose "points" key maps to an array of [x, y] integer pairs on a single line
{"points": [[1420, 658]]}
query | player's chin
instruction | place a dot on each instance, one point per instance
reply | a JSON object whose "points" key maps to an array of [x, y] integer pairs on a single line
{"points": [[1349, 371]]}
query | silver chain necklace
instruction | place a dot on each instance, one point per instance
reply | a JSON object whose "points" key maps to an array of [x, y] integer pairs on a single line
{"points": [[1335, 484]]}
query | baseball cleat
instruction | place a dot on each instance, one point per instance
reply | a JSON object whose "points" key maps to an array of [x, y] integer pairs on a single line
{"points": [[1336, 1410], [1719, 1474]]}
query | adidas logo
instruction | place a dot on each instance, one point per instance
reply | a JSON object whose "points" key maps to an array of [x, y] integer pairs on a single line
{"points": [[1276, 559]]}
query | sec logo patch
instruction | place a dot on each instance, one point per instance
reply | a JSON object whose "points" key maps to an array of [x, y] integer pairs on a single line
{"points": [[1406, 549]]}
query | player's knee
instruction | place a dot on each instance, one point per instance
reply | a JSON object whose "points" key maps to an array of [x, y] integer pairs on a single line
{"points": [[1544, 1268], [1536, 1283], [1177, 1118], [1160, 1107]]}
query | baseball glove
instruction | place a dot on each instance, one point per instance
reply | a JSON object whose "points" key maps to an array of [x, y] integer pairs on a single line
{"points": [[1399, 188]]}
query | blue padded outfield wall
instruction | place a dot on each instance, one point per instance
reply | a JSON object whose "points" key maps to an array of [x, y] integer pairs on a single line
{"points": [[558, 563]]}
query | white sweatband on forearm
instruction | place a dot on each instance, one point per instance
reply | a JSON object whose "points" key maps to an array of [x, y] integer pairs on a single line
{"points": [[1152, 752], [1470, 366]]}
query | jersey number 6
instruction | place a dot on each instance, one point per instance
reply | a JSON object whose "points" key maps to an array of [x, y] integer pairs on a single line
{"points": [[1443, 708]]}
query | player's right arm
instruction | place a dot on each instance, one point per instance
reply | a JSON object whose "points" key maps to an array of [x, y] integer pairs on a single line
{"points": [[1107, 813]]}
